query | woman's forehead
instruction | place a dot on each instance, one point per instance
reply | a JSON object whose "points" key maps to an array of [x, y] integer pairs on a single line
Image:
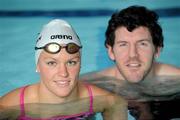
{"points": [[63, 54]]}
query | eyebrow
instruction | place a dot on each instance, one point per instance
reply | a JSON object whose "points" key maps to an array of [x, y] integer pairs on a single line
{"points": [[148, 40], [122, 41], [68, 59], [78, 57]]}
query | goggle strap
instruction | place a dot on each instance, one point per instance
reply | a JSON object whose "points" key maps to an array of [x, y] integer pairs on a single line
{"points": [[37, 48]]}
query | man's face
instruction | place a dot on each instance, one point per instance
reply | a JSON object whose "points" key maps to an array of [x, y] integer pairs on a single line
{"points": [[133, 53]]}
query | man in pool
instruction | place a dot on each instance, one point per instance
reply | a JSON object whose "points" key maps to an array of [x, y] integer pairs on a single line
{"points": [[134, 40]]}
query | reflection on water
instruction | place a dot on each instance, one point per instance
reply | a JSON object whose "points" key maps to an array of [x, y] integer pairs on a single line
{"points": [[46, 111], [155, 99], [155, 110], [51, 111]]}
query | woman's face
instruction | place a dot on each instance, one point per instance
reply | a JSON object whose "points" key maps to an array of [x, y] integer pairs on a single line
{"points": [[59, 72]]}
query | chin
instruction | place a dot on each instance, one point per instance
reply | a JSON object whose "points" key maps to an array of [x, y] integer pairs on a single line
{"points": [[62, 95], [134, 80]]}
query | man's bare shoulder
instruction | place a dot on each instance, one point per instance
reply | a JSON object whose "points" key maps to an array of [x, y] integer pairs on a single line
{"points": [[166, 69], [96, 75]]}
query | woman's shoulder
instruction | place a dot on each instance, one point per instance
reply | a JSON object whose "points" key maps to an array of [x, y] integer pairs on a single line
{"points": [[104, 99], [97, 91], [11, 98]]}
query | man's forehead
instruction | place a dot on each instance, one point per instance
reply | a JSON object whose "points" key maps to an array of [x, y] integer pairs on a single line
{"points": [[141, 33]]}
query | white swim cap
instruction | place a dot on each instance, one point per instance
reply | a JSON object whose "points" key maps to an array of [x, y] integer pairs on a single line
{"points": [[58, 31]]}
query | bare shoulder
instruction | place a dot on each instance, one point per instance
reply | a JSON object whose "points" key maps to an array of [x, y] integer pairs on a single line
{"points": [[111, 97], [97, 91], [166, 69], [11, 98], [97, 75]]}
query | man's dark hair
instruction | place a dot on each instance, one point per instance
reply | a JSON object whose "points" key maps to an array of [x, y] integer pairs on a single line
{"points": [[132, 18]]}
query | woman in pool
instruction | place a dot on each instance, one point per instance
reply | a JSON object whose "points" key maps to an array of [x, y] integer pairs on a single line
{"points": [[58, 60]]}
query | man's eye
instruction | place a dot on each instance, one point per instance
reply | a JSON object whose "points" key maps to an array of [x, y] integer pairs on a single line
{"points": [[143, 43], [122, 44]]}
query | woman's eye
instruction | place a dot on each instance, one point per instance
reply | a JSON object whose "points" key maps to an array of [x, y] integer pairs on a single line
{"points": [[51, 63], [71, 63]]}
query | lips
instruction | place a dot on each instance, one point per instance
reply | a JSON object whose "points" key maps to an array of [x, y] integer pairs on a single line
{"points": [[62, 83], [133, 65]]}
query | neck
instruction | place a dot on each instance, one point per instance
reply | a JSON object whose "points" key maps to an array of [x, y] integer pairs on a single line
{"points": [[148, 79], [46, 96]]}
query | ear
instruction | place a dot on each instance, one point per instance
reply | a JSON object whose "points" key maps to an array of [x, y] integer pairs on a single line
{"points": [[158, 51], [37, 68], [110, 52]]}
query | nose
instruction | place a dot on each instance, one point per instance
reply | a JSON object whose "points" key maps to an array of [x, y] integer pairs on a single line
{"points": [[133, 52], [62, 70]]}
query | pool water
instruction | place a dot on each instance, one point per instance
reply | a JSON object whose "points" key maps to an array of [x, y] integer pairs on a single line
{"points": [[20, 22]]}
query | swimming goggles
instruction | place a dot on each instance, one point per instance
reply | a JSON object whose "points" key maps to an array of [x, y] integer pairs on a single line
{"points": [[54, 48]]}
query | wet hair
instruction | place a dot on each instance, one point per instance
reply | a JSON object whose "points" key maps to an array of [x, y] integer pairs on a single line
{"points": [[132, 18]]}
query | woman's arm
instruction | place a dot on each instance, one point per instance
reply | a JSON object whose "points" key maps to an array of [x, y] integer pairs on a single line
{"points": [[116, 109]]}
